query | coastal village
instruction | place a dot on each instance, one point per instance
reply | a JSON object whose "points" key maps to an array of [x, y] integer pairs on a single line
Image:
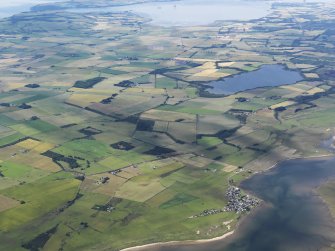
{"points": [[237, 202]]}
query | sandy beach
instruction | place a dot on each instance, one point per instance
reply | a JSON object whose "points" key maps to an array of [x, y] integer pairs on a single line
{"points": [[189, 242]]}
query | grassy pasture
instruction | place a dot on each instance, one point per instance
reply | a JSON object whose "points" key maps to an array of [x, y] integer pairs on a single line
{"points": [[185, 132], [212, 124], [140, 189], [190, 107], [165, 83], [151, 170], [84, 148], [168, 116], [178, 199], [114, 163], [7, 121], [59, 136], [209, 141], [33, 127], [321, 119], [15, 173], [50, 192], [11, 138], [128, 104], [25, 129], [154, 138], [179, 176]]}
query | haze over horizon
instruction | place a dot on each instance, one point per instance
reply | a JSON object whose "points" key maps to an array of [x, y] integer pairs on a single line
{"points": [[10, 8]]}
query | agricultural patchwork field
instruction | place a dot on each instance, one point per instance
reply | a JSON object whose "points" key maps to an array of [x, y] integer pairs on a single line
{"points": [[109, 139]]}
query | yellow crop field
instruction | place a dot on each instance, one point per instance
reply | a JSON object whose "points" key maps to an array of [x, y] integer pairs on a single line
{"points": [[43, 147], [315, 90], [196, 60], [84, 100], [168, 116], [29, 143], [35, 145], [293, 88], [226, 64], [145, 90], [37, 161], [311, 75], [95, 91], [283, 104], [112, 185], [11, 86], [229, 168], [140, 190], [304, 66], [205, 73]]}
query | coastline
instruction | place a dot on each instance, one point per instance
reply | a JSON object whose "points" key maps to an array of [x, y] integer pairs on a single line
{"points": [[298, 158], [226, 235], [187, 242]]}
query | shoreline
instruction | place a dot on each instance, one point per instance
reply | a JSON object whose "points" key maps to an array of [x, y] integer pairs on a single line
{"points": [[331, 155], [187, 242], [226, 235]]}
